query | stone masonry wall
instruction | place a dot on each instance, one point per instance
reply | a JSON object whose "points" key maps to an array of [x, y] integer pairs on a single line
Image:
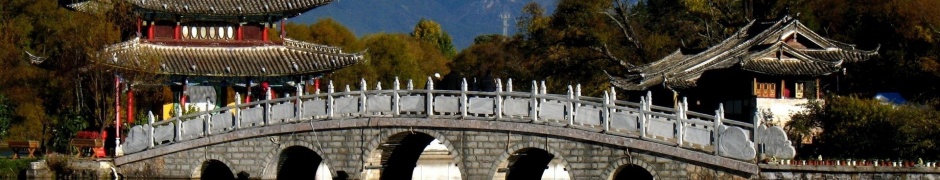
{"points": [[478, 155]]}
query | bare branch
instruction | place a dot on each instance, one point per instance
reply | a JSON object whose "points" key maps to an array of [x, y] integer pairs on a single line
{"points": [[934, 29], [605, 50], [622, 19]]}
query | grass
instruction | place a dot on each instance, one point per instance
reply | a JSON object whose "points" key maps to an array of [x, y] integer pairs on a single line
{"points": [[11, 168]]}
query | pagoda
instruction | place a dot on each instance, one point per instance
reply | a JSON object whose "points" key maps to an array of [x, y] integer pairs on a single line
{"points": [[772, 67], [210, 50]]}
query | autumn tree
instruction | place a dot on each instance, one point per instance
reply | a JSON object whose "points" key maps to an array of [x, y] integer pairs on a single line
{"points": [[325, 31], [394, 55], [47, 93], [431, 32]]}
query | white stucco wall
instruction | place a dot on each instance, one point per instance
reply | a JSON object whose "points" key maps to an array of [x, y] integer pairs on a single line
{"points": [[782, 109]]}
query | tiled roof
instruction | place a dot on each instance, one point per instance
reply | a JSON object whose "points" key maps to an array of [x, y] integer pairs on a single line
{"points": [[229, 7], [757, 47], [290, 58], [220, 7]]}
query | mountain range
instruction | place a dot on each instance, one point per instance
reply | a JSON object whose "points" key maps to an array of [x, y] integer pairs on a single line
{"points": [[462, 19]]}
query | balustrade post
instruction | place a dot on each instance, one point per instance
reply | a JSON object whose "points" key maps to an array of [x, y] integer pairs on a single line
{"points": [[267, 107], [643, 117], [509, 85], [613, 96], [150, 120], [716, 132], [758, 116], [179, 129], [499, 99], [570, 106], [534, 112], [464, 102], [207, 122], [606, 116], [430, 98], [544, 90], [411, 85], [362, 98], [298, 103], [329, 99], [680, 120], [238, 112], [577, 98], [396, 98]]}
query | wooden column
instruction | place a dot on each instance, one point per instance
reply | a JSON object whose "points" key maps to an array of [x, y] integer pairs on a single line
{"points": [[264, 33], [239, 34], [150, 31], [138, 27], [282, 28], [176, 31], [818, 93], [130, 106]]}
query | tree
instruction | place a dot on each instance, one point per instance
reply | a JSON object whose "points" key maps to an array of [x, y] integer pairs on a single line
{"points": [[431, 32], [6, 116], [325, 31], [863, 128], [390, 56]]}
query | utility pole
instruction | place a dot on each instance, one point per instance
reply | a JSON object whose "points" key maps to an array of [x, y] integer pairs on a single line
{"points": [[505, 16]]}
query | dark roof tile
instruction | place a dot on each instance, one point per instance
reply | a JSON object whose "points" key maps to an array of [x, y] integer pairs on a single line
{"points": [[291, 58]]}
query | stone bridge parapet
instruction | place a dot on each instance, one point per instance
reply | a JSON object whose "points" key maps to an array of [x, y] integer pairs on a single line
{"points": [[674, 132]]}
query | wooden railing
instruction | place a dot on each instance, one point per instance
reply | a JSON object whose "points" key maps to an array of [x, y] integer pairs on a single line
{"points": [[672, 126]]}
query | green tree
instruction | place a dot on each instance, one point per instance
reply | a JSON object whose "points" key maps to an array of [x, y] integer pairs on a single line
{"points": [[6, 116], [863, 128], [431, 32]]}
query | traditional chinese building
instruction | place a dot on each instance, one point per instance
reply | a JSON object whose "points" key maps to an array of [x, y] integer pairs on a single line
{"points": [[767, 66], [208, 50]]}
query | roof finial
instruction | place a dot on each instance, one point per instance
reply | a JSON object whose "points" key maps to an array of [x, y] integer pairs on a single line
{"points": [[35, 59]]}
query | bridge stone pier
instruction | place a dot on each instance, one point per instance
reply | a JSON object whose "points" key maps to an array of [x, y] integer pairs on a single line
{"points": [[383, 134]]}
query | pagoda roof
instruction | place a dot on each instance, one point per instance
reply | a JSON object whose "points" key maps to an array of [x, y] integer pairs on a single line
{"points": [[783, 47], [291, 57], [217, 7]]}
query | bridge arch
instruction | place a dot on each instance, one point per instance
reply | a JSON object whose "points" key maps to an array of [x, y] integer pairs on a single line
{"points": [[273, 158], [198, 164], [375, 152], [213, 169], [503, 160], [619, 166]]}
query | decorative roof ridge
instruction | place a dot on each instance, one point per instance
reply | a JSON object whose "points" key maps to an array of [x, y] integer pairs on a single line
{"points": [[135, 42], [715, 52], [780, 46], [676, 53], [308, 45], [738, 36]]}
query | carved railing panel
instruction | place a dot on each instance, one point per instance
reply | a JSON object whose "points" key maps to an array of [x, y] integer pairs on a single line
{"points": [[315, 109]]}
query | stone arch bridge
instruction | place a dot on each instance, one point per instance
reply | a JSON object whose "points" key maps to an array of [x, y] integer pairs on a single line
{"points": [[381, 133]]}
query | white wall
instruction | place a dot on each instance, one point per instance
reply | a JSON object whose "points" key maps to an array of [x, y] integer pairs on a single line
{"points": [[782, 109]]}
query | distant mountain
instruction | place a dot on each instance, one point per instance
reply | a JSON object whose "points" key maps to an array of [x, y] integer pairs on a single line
{"points": [[462, 19]]}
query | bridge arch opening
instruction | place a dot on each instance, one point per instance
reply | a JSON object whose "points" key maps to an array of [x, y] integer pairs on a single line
{"points": [[411, 155], [532, 163], [215, 169], [632, 171], [295, 163]]}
